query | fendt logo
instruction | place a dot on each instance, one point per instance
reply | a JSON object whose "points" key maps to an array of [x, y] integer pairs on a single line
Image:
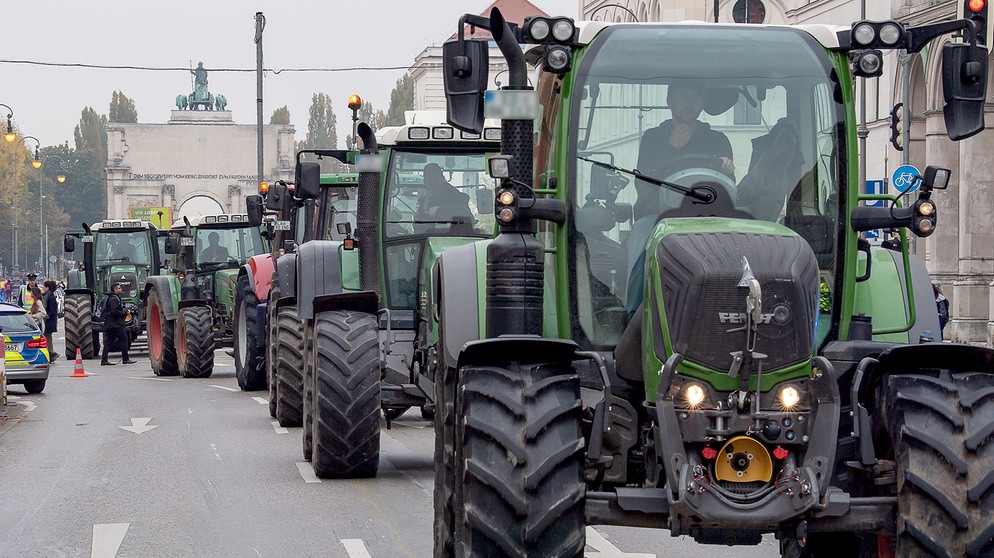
{"points": [[739, 318]]}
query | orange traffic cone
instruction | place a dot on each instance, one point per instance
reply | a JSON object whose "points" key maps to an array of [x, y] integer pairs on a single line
{"points": [[78, 371]]}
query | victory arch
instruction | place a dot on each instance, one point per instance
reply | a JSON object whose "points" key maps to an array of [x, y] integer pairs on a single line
{"points": [[199, 162]]}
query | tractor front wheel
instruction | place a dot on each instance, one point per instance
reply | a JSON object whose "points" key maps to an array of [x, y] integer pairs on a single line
{"points": [[941, 428], [249, 366], [161, 338], [289, 367], [519, 459], [79, 326], [195, 342], [346, 395]]}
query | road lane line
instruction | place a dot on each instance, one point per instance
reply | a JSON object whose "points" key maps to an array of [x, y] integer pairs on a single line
{"points": [[147, 378], [279, 429], [605, 549], [307, 472], [261, 400], [107, 539], [225, 388], [355, 548]]}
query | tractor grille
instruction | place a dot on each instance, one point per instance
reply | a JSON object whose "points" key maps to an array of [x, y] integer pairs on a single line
{"points": [[129, 283], [700, 273]]}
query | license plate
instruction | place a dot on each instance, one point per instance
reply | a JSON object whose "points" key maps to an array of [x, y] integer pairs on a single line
{"points": [[13, 347]]}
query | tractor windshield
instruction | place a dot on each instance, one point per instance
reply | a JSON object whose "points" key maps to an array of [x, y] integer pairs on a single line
{"points": [[754, 122], [228, 246], [132, 247], [438, 194]]}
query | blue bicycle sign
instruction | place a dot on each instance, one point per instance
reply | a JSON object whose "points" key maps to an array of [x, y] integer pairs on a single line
{"points": [[906, 179]]}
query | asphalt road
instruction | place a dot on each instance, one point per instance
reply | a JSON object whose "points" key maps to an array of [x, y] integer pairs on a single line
{"points": [[124, 464]]}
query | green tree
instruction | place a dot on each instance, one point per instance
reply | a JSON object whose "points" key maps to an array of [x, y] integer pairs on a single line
{"points": [[401, 99], [280, 116], [89, 186], [122, 109], [322, 130]]}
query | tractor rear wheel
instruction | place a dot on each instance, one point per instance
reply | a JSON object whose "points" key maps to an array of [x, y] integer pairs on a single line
{"points": [[289, 367], [445, 393], [79, 325], [308, 419], [249, 366], [271, 346], [519, 457], [161, 338], [942, 434], [195, 342], [346, 395]]}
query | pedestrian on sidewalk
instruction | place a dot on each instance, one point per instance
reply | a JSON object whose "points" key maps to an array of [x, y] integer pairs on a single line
{"points": [[52, 321], [114, 327]]}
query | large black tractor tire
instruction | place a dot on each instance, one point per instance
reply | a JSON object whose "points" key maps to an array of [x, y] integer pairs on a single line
{"points": [[161, 338], [289, 367], [444, 525], [943, 434], [79, 326], [346, 395], [250, 368], [195, 342], [272, 347], [307, 438], [519, 457]]}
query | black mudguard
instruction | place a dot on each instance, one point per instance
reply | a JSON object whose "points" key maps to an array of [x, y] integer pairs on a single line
{"points": [[163, 288], [459, 285]]}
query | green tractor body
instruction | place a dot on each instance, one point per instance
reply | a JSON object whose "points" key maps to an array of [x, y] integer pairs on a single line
{"points": [[191, 309], [364, 300], [659, 338], [113, 251]]}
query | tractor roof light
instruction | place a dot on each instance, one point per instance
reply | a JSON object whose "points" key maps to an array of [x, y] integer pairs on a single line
{"points": [[418, 133], [441, 132], [491, 134], [263, 188], [499, 166], [355, 102], [539, 29], [890, 33], [864, 33], [563, 30]]}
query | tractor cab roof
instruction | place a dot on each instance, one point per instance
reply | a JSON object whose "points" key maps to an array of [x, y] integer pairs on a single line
{"points": [[222, 221], [827, 35], [429, 129], [121, 225]]}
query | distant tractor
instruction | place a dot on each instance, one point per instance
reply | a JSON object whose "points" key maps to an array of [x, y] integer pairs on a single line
{"points": [[114, 251], [191, 309]]}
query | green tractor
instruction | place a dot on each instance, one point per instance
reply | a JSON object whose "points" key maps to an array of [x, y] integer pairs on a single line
{"points": [[190, 310], [299, 217], [114, 251], [368, 332], [662, 338]]}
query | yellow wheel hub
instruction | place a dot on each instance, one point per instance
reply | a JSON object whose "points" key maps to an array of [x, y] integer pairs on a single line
{"points": [[743, 459]]}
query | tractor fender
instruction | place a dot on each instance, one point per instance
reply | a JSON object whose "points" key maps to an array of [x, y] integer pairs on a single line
{"points": [[459, 286], [884, 297], [167, 287], [319, 272], [75, 279], [259, 270], [286, 272]]}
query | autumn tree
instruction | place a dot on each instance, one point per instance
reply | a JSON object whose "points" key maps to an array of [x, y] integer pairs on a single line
{"points": [[88, 179], [122, 109], [401, 99]]}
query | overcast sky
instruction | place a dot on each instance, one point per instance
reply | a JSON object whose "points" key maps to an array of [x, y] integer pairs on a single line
{"points": [[47, 100]]}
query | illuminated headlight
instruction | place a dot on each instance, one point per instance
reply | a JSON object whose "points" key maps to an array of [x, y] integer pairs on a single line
{"points": [[562, 30], [789, 397], [491, 134], [694, 395], [864, 34], [506, 197], [441, 133], [926, 208], [557, 59], [418, 133], [891, 33], [499, 166], [539, 29]]}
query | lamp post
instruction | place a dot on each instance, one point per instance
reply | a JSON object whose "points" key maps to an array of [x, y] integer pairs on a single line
{"points": [[42, 229], [36, 163], [10, 136]]}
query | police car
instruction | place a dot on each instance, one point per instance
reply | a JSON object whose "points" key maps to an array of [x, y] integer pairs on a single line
{"points": [[26, 349]]}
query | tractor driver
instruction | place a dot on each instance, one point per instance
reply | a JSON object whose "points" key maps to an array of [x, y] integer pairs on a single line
{"points": [[214, 251], [441, 201]]}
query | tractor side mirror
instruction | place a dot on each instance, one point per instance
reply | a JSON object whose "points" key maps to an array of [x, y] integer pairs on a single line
{"points": [[308, 180], [172, 244], [68, 243], [484, 200], [964, 85], [465, 67], [253, 206], [274, 199]]}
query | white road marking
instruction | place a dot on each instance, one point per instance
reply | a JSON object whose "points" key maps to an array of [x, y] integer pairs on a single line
{"points": [[605, 549], [150, 378], [355, 548], [279, 429], [29, 404], [261, 400], [307, 472], [225, 388], [107, 539], [216, 454], [139, 425]]}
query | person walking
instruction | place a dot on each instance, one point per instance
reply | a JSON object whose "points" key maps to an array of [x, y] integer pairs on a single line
{"points": [[114, 332], [52, 321], [37, 308]]}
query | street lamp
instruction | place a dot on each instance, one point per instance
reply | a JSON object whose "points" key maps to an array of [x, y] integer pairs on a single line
{"points": [[355, 103], [42, 238], [10, 136]]}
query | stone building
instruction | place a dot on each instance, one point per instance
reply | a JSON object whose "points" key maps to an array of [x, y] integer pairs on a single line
{"points": [[198, 162]]}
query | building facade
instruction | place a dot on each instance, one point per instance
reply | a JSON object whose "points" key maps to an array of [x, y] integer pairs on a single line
{"points": [[199, 162]]}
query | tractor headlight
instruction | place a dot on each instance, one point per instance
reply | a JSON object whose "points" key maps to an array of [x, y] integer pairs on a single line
{"points": [[870, 63], [562, 30], [789, 397], [864, 33], [557, 59], [890, 33], [926, 208], [539, 29], [695, 395]]}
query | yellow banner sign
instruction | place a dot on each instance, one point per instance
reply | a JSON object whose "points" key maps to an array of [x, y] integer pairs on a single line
{"points": [[161, 217]]}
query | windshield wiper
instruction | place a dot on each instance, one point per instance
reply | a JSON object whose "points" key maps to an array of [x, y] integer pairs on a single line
{"points": [[699, 194]]}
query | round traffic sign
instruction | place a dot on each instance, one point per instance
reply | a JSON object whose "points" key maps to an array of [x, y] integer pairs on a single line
{"points": [[905, 179]]}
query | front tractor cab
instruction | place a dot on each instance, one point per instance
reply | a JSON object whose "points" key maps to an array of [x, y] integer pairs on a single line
{"points": [[121, 251]]}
